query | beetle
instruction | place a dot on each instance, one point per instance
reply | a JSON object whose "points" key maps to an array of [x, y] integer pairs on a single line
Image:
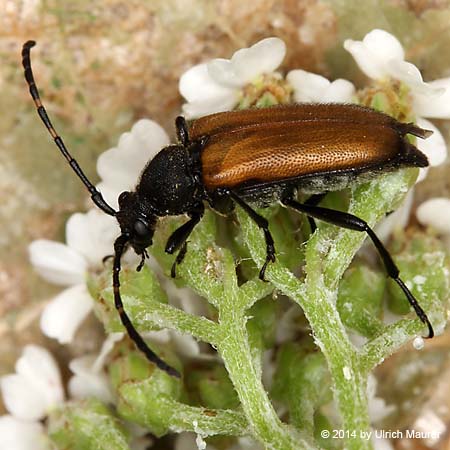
{"points": [[252, 158]]}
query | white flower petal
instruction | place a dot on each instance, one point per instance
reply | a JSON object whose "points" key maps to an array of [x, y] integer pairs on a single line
{"points": [[111, 167], [120, 167], [223, 72], [377, 53], [433, 147], [435, 213], [383, 45], [57, 263], [21, 399], [310, 87], [339, 91], [65, 313], [39, 365], [87, 382], [92, 234], [380, 55], [203, 108], [16, 434], [263, 57], [214, 87], [150, 134], [410, 75], [370, 64], [438, 106], [36, 387], [109, 193], [196, 85]]}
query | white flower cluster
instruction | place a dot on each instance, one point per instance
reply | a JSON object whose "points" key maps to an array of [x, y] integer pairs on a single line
{"points": [[209, 87], [380, 55]]}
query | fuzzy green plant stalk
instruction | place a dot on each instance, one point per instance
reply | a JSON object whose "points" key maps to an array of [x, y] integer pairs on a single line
{"points": [[157, 401], [328, 254]]}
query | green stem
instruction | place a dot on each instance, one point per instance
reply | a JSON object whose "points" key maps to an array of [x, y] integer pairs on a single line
{"points": [[394, 336], [206, 422], [343, 361], [159, 412], [235, 351], [318, 304], [252, 291], [148, 313]]}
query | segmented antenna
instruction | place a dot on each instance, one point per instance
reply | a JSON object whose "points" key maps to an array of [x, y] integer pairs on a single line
{"points": [[96, 196], [121, 241]]}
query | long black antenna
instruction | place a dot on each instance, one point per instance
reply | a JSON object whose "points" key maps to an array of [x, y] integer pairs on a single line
{"points": [[96, 196], [121, 242], [119, 248]]}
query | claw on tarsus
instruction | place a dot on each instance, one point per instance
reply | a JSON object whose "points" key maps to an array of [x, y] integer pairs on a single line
{"points": [[144, 256]]}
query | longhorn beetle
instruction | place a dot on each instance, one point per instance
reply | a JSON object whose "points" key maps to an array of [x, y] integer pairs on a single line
{"points": [[252, 157]]}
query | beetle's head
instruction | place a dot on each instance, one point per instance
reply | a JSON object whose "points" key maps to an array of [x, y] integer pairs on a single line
{"points": [[136, 221]]}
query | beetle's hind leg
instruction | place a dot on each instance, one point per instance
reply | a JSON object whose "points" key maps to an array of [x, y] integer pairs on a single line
{"points": [[178, 238], [314, 200], [351, 222], [264, 225]]}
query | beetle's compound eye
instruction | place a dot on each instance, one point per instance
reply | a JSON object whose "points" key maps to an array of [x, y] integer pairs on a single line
{"points": [[123, 198], [141, 228]]}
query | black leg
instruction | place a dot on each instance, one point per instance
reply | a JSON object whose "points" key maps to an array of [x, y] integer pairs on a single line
{"points": [[178, 238], [119, 248], [144, 255], [346, 220], [182, 130], [314, 200], [264, 225], [179, 259], [96, 196]]}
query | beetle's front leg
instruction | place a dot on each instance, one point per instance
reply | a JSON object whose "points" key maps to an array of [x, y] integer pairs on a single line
{"points": [[177, 239], [264, 225]]}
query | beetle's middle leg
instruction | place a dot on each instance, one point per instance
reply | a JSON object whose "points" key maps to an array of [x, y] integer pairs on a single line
{"points": [[351, 222], [178, 238], [264, 225]]}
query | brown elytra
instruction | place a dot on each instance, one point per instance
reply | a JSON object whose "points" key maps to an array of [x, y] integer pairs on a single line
{"points": [[286, 142]]}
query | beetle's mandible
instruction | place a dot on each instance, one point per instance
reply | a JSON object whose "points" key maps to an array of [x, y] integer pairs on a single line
{"points": [[252, 157]]}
